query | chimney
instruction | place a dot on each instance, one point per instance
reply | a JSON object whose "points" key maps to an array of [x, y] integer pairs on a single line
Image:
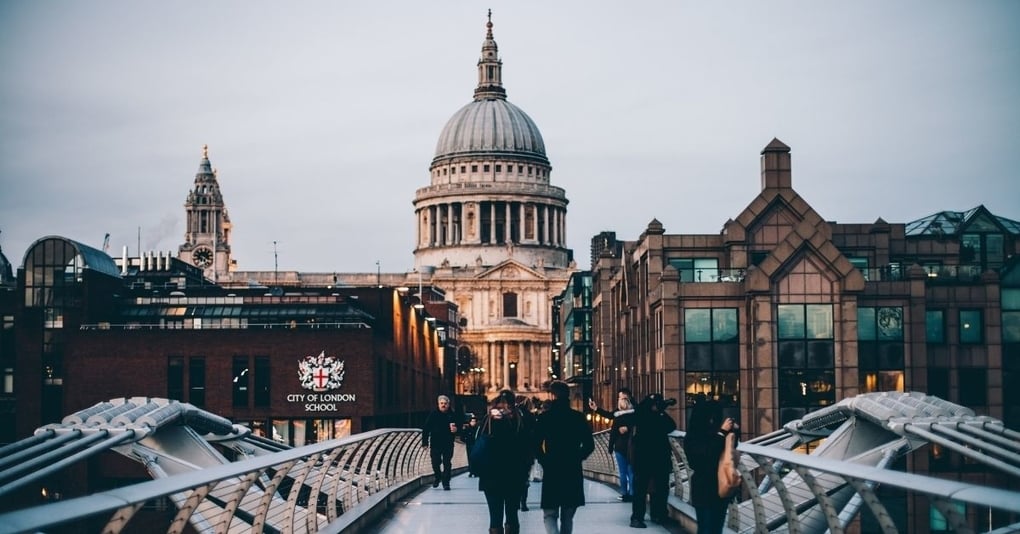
{"points": [[775, 166]]}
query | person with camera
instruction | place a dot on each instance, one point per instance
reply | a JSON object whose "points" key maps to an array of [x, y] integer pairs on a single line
{"points": [[704, 443], [510, 441], [651, 456], [441, 427], [564, 440]]}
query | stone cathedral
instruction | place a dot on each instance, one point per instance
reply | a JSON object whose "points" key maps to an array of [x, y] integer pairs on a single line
{"points": [[491, 233]]}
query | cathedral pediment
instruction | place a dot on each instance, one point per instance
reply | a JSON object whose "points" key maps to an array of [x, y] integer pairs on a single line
{"points": [[510, 270]]}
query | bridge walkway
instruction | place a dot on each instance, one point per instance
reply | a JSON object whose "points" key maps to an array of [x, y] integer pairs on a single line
{"points": [[463, 510]]}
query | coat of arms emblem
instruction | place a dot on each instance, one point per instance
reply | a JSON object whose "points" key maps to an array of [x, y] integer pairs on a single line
{"points": [[321, 373]]}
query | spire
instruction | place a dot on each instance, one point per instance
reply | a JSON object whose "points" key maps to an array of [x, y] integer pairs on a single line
{"points": [[490, 68], [204, 167]]}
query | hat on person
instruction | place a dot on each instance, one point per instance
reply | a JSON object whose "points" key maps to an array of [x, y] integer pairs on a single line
{"points": [[651, 400], [507, 396], [559, 389]]}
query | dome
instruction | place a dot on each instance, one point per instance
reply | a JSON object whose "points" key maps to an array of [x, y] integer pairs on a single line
{"points": [[490, 125]]}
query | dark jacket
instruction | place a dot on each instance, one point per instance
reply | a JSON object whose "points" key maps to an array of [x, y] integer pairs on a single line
{"points": [[650, 448], [510, 443], [563, 440], [436, 431], [620, 442], [703, 451]]}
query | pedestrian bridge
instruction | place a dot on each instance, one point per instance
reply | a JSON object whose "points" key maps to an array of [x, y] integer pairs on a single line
{"points": [[210, 475]]}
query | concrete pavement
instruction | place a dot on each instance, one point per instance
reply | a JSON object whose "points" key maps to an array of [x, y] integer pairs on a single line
{"points": [[462, 510]]}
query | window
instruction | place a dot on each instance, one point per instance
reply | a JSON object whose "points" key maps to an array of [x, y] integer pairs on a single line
{"points": [[509, 304], [175, 378], [712, 356], [757, 257], [474, 168], [973, 386], [196, 381], [861, 264], [807, 377], [453, 169], [971, 330], [982, 250], [696, 269], [463, 169], [880, 348], [262, 377], [485, 168], [240, 381], [499, 168], [935, 326], [1011, 315]]}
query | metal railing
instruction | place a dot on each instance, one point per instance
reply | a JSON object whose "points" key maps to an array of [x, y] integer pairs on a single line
{"points": [[331, 485], [794, 492]]}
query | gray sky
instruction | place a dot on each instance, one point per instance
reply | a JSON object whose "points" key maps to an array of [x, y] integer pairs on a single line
{"points": [[322, 117]]}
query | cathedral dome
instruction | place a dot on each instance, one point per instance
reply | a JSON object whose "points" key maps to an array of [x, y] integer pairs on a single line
{"points": [[490, 125]]}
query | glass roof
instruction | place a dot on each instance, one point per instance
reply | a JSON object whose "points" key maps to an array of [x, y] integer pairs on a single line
{"points": [[953, 222]]}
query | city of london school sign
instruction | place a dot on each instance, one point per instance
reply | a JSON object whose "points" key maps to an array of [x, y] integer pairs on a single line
{"points": [[321, 375]]}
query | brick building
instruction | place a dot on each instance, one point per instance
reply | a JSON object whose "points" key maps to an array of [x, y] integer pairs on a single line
{"points": [[783, 312]]}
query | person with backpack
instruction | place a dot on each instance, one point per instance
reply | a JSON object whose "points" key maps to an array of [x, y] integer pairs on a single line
{"points": [[508, 438], [704, 444], [563, 439]]}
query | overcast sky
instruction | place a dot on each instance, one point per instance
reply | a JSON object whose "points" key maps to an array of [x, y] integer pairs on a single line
{"points": [[322, 117]]}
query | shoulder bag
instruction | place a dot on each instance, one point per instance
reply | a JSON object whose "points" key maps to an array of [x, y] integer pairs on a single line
{"points": [[729, 477]]}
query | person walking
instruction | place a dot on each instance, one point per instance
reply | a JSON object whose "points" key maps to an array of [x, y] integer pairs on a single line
{"points": [[563, 439], [619, 439], [468, 434], [619, 445], [704, 444], [652, 460], [510, 442], [527, 410], [441, 427]]}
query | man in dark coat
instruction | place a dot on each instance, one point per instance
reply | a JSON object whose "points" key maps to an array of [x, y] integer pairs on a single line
{"points": [[440, 428], [651, 456], [563, 440]]}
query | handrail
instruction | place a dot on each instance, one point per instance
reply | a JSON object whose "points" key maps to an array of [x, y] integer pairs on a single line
{"points": [[276, 488]]}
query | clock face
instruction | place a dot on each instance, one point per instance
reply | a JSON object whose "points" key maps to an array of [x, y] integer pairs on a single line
{"points": [[202, 257]]}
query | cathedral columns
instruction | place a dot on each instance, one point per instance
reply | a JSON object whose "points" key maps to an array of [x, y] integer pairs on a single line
{"points": [[492, 223]]}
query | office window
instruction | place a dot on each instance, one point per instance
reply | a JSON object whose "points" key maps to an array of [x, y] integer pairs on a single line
{"points": [[861, 264], [935, 326], [240, 381], [880, 348], [971, 329], [696, 269], [196, 381], [485, 168], [262, 382], [712, 357], [973, 386], [474, 168], [175, 378], [1010, 315], [807, 377]]}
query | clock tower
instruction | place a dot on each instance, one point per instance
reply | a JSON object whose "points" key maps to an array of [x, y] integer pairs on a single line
{"points": [[207, 235]]}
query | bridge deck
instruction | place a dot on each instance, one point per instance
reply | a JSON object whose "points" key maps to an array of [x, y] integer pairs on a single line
{"points": [[463, 510]]}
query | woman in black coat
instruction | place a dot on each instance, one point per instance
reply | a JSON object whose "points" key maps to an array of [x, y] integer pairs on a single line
{"points": [[704, 443], [510, 442], [563, 440]]}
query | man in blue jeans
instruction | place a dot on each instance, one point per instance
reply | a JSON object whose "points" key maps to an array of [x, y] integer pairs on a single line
{"points": [[619, 439]]}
